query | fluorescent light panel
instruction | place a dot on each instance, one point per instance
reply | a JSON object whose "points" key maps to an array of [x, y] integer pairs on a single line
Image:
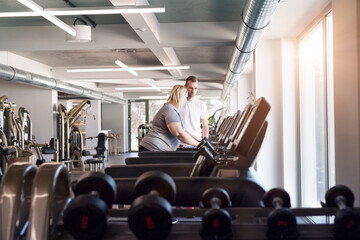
{"points": [[81, 11], [160, 68], [125, 67], [61, 24], [154, 97], [132, 68], [155, 87], [103, 10], [38, 9], [141, 88], [95, 70], [32, 5]]}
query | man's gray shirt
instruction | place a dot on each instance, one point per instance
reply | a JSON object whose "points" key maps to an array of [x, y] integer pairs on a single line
{"points": [[159, 137]]}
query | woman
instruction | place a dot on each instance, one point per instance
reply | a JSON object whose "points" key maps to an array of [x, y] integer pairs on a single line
{"points": [[167, 127]]}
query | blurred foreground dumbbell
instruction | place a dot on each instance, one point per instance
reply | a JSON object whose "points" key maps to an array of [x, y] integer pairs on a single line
{"points": [[86, 215], [281, 221], [150, 215], [347, 221], [216, 222], [15, 200]]}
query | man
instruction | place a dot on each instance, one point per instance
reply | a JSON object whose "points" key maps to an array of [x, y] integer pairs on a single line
{"points": [[194, 111]]}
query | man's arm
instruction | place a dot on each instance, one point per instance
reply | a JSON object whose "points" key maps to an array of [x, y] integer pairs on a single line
{"points": [[176, 130], [205, 127]]}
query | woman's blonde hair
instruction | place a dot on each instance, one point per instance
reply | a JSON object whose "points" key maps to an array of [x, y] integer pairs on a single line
{"points": [[177, 93]]}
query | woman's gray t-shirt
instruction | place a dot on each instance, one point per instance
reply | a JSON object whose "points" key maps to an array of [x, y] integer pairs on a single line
{"points": [[159, 137]]}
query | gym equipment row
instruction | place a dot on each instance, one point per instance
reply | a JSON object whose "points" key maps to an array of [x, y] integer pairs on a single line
{"points": [[38, 204], [72, 142], [236, 137], [17, 143], [245, 144]]}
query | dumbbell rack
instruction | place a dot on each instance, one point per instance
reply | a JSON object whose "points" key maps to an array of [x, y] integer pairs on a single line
{"points": [[250, 223], [44, 202]]}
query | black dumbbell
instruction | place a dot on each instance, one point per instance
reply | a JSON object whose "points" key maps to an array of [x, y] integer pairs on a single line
{"points": [[347, 221], [281, 221], [150, 214], [216, 222], [85, 217]]}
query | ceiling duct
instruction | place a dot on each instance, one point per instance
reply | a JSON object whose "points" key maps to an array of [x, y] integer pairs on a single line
{"points": [[255, 17], [16, 75]]}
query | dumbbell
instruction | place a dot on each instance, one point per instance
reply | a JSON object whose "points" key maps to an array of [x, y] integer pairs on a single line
{"points": [[216, 222], [15, 200], [347, 221], [281, 222], [150, 214], [86, 215]]}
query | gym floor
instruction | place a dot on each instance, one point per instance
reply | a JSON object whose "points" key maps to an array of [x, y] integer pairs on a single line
{"points": [[119, 159]]}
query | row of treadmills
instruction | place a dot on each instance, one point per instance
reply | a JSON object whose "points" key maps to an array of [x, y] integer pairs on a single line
{"points": [[211, 192]]}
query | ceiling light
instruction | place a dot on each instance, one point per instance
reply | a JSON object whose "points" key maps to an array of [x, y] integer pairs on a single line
{"points": [[132, 68], [60, 24], [141, 88], [154, 97], [160, 68], [38, 9], [155, 87], [79, 11], [95, 70], [32, 5], [135, 88], [19, 14], [125, 67], [103, 10]]}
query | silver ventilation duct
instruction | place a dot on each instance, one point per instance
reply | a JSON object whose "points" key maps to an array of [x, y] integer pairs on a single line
{"points": [[255, 17], [16, 75]]}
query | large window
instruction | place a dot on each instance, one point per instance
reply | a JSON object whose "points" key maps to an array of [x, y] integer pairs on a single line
{"points": [[141, 112], [316, 115]]}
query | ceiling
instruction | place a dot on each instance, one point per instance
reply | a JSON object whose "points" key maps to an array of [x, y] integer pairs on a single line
{"points": [[199, 34]]}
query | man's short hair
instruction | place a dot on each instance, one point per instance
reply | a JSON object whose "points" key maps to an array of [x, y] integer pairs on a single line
{"points": [[192, 79]]}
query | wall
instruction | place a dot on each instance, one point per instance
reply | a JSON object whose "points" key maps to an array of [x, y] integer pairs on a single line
{"points": [[268, 84], [346, 93], [233, 101], [245, 90], [25, 64], [114, 118], [93, 122], [290, 116], [40, 104]]}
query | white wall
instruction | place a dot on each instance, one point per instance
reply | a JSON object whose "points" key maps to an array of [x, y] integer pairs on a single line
{"points": [[276, 80], [25, 64], [245, 90], [346, 16], [268, 84], [114, 118], [40, 104], [93, 122], [233, 101], [290, 124]]}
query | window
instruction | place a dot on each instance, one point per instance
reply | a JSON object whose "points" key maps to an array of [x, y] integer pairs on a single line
{"points": [[141, 112], [316, 115]]}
